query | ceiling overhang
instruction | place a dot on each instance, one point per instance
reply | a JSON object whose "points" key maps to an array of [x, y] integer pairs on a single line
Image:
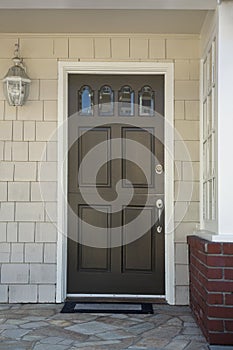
{"points": [[102, 21], [110, 4]]}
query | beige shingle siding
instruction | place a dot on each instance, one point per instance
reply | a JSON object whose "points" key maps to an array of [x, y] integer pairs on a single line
{"points": [[28, 160]]}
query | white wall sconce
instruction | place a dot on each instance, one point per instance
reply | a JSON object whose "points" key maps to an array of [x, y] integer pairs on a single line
{"points": [[16, 83]]}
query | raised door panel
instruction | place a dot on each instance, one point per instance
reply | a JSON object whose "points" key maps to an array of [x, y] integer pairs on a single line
{"points": [[138, 254], [91, 143], [90, 257], [137, 157]]}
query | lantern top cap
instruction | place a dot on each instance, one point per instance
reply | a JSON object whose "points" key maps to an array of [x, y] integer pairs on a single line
{"points": [[17, 71]]}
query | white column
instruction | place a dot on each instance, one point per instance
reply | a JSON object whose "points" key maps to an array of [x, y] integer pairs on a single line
{"points": [[225, 120]]}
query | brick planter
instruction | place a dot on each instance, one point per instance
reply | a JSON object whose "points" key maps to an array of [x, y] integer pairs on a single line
{"points": [[211, 288]]}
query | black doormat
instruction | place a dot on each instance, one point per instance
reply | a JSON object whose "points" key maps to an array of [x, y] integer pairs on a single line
{"points": [[112, 308], [220, 347]]}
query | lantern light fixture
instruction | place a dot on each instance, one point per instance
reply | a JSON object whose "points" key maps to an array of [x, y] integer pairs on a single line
{"points": [[16, 83]]}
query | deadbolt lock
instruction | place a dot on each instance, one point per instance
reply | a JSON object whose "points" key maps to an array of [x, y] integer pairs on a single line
{"points": [[159, 203], [159, 169]]}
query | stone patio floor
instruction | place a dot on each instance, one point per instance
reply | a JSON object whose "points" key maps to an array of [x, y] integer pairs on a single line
{"points": [[43, 327]]}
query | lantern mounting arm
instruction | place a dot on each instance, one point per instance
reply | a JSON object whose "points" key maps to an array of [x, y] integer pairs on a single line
{"points": [[17, 59]]}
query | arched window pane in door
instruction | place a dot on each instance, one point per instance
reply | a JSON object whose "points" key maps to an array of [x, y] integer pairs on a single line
{"points": [[146, 101], [126, 101], [106, 99], [86, 101]]}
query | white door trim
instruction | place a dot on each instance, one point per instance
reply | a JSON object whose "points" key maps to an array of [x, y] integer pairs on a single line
{"points": [[150, 68]]}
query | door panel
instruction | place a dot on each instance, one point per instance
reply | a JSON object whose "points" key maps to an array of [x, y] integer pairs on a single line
{"points": [[137, 256], [87, 141], [139, 169], [113, 243]]}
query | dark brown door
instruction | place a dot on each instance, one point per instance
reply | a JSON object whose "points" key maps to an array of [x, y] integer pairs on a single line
{"points": [[116, 212]]}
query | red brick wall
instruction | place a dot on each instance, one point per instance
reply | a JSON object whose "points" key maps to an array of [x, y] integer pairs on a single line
{"points": [[211, 288]]}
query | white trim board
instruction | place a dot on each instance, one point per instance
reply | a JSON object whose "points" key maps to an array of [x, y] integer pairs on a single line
{"points": [[106, 4], [150, 68]]}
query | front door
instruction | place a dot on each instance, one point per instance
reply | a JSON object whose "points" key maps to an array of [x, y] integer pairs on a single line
{"points": [[116, 184]]}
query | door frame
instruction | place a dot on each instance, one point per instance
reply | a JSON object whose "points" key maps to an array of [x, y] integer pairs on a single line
{"points": [[151, 68]]}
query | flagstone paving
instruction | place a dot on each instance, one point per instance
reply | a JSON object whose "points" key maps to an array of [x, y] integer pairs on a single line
{"points": [[43, 327]]}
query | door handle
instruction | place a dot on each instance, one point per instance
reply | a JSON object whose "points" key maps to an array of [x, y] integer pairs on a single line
{"points": [[159, 206]]}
